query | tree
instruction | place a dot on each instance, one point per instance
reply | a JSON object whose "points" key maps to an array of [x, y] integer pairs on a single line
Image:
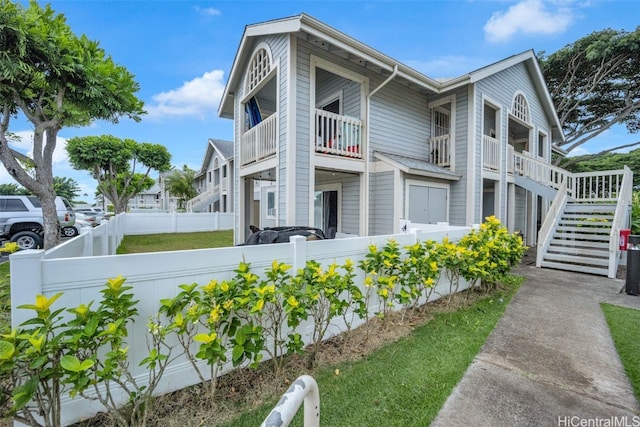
{"points": [[595, 84], [608, 161], [66, 187], [112, 162], [56, 79], [13, 189], [181, 185]]}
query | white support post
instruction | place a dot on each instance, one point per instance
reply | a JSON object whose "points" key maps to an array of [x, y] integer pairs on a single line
{"points": [[87, 239], [299, 252], [26, 282]]}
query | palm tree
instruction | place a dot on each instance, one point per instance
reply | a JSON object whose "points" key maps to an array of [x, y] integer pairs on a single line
{"points": [[181, 185]]}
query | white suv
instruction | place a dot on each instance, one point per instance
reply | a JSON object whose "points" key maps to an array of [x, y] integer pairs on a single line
{"points": [[21, 219]]}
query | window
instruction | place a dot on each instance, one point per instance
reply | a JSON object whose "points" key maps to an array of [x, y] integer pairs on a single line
{"points": [[520, 108], [271, 204], [12, 205], [441, 122], [259, 67]]}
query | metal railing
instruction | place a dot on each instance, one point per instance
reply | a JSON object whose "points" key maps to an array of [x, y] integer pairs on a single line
{"points": [[304, 389]]}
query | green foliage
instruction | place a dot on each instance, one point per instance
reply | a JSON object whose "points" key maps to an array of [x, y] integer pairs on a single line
{"points": [[609, 161], [13, 189], [622, 323], [112, 162], [66, 187], [635, 213], [181, 184], [56, 79], [235, 320], [593, 84]]}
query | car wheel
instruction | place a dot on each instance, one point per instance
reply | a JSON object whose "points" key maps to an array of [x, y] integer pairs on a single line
{"points": [[27, 240], [69, 231]]}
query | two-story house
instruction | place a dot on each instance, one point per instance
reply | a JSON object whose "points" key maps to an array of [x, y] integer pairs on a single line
{"points": [[355, 141], [215, 179]]}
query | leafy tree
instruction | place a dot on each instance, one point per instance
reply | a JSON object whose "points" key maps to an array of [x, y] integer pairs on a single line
{"points": [[608, 161], [112, 162], [595, 84], [55, 79], [66, 187], [181, 185], [13, 189]]}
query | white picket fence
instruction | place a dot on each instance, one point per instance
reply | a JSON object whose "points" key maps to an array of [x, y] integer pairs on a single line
{"points": [[155, 276]]}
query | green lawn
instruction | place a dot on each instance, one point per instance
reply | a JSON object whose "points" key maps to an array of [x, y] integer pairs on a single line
{"points": [[175, 242], [624, 326], [406, 382]]}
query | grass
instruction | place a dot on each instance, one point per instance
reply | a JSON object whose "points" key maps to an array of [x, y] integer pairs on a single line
{"points": [[623, 323], [5, 297], [405, 382], [175, 242]]}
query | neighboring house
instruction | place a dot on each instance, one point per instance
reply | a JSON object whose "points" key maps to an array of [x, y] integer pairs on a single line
{"points": [[215, 180], [148, 199], [354, 141]]}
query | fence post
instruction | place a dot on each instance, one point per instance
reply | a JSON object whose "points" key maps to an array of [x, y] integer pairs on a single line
{"points": [[417, 234], [175, 221], [26, 282], [299, 252], [216, 223], [88, 237]]}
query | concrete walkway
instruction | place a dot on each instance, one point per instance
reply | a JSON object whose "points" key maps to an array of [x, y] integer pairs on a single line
{"points": [[550, 361]]}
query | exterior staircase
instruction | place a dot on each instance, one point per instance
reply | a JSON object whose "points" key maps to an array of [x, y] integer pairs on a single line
{"points": [[581, 237], [581, 229]]}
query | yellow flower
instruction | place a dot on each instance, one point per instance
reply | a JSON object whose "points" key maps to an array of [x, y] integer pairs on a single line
{"points": [[42, 304], [228, 304], [116, 282], [259, 305], [10, 247], [214, 316], [292, 301], [179, 320], [224, 286], [368, 281], [211, 286]]}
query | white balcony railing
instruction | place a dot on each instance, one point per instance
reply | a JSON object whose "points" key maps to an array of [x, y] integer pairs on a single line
{"points": [[490, 153], [259, 142], [439, 149], [338, 135]]}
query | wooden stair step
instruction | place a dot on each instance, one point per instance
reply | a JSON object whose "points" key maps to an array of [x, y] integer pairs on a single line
{"points": [[570, 259], [576, 268], [574, 251], [580, 243]]}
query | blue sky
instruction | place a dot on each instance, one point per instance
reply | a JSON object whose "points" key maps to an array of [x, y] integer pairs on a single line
{"points": [[181, 52]]}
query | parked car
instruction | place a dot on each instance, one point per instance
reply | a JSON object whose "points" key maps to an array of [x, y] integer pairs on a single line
{"points": [[21, 219], [90, 218], [96, 213], [75, 229], [281, 234]]}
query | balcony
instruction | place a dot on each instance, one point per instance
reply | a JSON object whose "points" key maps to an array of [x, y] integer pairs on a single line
{"points": [[490, 153], [439, 149], [259, 142], [338, 135]]}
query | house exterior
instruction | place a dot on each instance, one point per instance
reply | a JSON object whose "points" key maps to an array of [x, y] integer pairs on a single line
{"points": [[354, 141], [215, 181]]}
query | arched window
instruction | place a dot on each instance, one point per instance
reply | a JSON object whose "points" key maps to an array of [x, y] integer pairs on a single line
{"points": [[259, 67], [520, 108]]}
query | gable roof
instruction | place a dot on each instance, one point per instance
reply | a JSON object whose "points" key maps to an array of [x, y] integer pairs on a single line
{"points": [[223, 147], [317, 32]]}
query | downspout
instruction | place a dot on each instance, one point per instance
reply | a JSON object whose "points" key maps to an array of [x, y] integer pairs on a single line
{"points": [[368, 140]]}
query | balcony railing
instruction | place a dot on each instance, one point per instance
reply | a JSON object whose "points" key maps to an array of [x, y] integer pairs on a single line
{"points": [[490, 153], [259, 142], [338, 135], [439, 149]]}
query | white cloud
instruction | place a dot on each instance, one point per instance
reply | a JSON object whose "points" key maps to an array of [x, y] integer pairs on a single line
{"points": [[528, 17], [207, 11], [194, 98]]}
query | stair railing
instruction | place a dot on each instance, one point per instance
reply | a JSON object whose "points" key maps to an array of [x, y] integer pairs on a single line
{"points": [[620, 220], [304, 389], [550, 221], [210, 192]]}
